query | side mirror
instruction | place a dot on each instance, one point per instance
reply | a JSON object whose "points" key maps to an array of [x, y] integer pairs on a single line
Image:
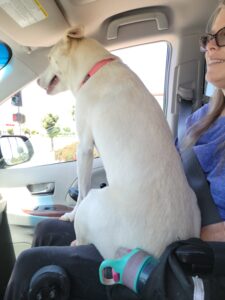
{"points": [[14, 150]]}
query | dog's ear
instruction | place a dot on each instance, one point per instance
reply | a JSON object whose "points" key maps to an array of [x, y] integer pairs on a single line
{"points": [[75, 32]]}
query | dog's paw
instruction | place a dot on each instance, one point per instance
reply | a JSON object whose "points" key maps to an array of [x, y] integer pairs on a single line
{"points": [[68, 216], [74, 243]]}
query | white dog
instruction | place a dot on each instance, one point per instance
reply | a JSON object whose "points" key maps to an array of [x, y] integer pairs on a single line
{"points": [[148, 202]]}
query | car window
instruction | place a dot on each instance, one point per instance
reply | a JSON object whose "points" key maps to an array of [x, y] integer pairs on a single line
{"points": [[49, 121], [149, 63]]}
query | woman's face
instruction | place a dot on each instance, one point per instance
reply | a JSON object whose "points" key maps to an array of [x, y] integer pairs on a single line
{"points": [[215, 56]]}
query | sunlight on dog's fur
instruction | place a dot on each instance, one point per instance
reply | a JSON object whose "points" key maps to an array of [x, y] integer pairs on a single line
{"points": [[148, 202]]}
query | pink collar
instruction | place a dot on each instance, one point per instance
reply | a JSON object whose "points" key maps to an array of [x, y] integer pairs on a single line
{"points": [[96, 67]]}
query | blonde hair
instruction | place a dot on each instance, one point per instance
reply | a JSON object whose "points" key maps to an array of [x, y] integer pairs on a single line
{"points": [[216, 104], [212, 19]]}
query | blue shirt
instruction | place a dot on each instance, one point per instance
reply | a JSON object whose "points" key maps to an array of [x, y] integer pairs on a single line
{"points": [[209, 155]]}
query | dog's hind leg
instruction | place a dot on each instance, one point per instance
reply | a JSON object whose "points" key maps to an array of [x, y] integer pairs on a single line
{"points": [[96, 220]]}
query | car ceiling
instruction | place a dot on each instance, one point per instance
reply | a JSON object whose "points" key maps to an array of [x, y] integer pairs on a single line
{"points": [[95, 14], [30, 42]]}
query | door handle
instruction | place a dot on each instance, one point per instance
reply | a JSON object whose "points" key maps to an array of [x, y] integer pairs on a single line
{"points": [[46, 188]]}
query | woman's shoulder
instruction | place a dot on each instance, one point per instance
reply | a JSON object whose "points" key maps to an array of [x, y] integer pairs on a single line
{"points": [[197, 115]]}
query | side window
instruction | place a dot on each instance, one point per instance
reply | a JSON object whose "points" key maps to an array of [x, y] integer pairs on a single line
{"points": [[49, 121], [209, 89], [148, 61]]}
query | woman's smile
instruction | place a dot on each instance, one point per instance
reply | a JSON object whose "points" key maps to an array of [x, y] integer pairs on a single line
{"points": [[215, 61]]}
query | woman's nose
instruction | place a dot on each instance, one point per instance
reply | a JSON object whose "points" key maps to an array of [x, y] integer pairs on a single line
{"points": [[211, 46]]}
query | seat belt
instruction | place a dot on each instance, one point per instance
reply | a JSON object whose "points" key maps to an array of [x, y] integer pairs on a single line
{"points": [[192, 168], [197, 180]]}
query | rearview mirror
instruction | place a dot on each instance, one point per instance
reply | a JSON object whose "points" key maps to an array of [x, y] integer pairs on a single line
{"points": [[14, 150]]}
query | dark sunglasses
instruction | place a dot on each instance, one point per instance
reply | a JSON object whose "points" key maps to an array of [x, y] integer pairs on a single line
{"points": [[219, 39]]}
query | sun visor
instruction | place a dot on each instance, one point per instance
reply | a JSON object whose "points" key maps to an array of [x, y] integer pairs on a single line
{"points": [[32, 23]]}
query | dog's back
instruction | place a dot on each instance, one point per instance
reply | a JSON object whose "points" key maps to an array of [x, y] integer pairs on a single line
{"points": [[147, 187]]}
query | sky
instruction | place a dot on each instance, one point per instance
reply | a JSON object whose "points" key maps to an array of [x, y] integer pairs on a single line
{"points": [[147, 61], [36, 105]]}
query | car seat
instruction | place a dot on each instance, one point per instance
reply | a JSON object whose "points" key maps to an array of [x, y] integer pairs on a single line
{"points": [[190, 268]]}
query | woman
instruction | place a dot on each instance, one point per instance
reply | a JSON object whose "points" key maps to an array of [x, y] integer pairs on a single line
{"points": [[206, 128]]}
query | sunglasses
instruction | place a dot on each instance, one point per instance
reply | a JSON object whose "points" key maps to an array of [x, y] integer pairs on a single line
{"points": [[219, 39]]}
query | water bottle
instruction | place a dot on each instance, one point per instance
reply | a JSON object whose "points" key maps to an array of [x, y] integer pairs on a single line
{"points": [[132, 269]]}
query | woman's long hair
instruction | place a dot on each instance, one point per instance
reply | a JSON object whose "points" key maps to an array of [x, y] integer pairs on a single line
{"points": [[217, 102], [216, 106]]}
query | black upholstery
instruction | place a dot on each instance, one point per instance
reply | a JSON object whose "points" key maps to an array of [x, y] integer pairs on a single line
{"points": [[49, 282]]}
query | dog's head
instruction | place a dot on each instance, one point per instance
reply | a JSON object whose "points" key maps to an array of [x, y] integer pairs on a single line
{"points": [[55, 77]]}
